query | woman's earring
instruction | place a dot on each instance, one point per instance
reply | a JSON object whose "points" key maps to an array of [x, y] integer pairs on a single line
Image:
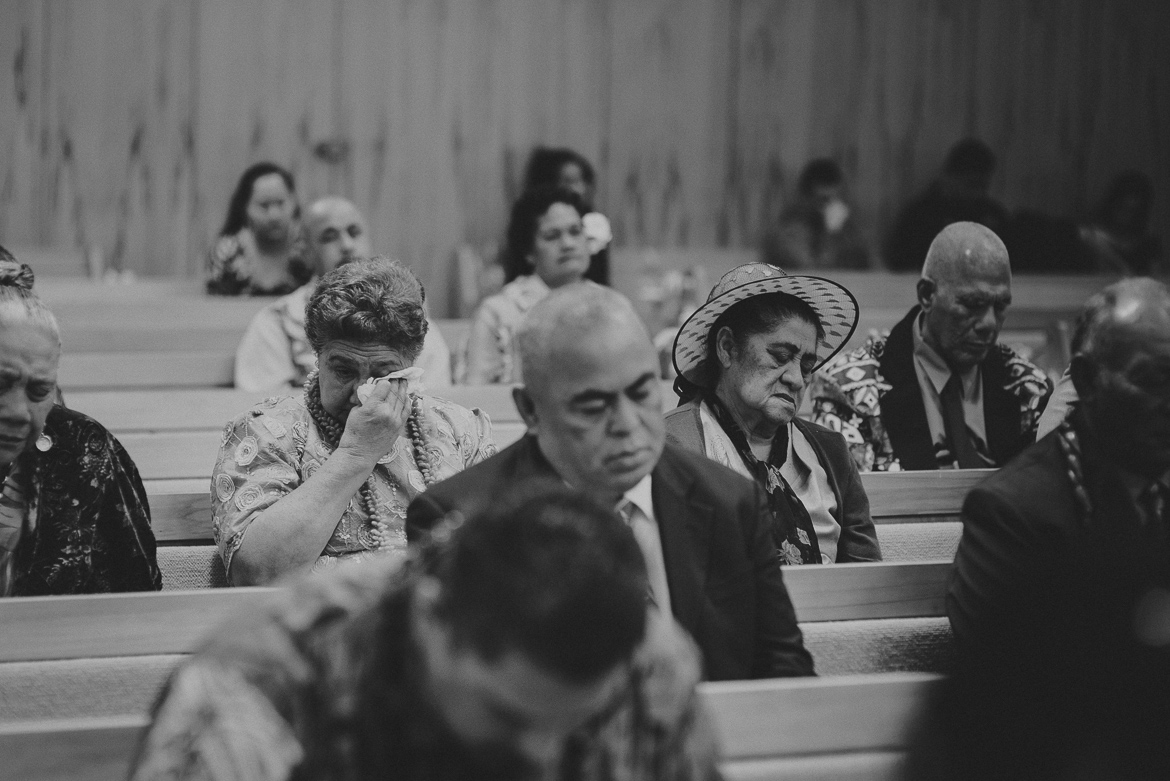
{"points": [[44, 443]]}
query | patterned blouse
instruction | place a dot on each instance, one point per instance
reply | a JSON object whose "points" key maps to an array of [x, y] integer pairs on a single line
{"points": [[267, 452], [326, 685], [491, 346], [86, 521], [230, 262]]}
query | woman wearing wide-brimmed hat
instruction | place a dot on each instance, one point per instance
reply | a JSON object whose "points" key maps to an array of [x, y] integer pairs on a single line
{"points": [[744, 360]]}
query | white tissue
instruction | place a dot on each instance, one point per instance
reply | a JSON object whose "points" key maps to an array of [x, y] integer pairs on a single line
{"points": [[412, 375]]}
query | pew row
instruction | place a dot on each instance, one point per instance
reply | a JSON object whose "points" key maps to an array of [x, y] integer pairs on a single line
{"points": [[136, 624], [855, 727]]}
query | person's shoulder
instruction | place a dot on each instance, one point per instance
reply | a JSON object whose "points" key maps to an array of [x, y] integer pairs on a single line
{"points": [[471, 485], [279, 416], [689, 469], [825, 436], [1017, 374], [1034, 484], [64, 425], [670, 667], [854, 378], [456, 420]]}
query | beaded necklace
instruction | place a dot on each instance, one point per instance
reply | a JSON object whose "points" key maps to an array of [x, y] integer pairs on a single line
{"points": [[1070, 446], [330, 429]]}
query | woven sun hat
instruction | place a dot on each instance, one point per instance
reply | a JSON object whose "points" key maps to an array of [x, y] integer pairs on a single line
{"points": [[835, 305]]}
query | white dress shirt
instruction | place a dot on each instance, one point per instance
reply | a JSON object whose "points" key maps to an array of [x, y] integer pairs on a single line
{"points": [[637, 507], [933, 374]]}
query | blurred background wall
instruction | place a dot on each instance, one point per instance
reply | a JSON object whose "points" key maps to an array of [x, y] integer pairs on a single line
{"points": [[125, 123]]}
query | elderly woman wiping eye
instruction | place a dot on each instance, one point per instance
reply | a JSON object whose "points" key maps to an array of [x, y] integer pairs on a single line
{"points": [[327, 475]]}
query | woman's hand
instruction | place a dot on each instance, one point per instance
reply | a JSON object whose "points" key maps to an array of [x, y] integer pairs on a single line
{"points": [[373, 427]]}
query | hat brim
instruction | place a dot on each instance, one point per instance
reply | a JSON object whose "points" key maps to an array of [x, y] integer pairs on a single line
{"points": [[833, 303]]}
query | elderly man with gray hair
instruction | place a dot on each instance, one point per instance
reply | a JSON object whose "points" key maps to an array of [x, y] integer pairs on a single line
{"points": [[592, 401], [274, 353], [939, 392]]}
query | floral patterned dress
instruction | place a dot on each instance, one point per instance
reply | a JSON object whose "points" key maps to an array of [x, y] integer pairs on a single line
{"points": [[231, 259], [267, 452], [86, 517]]}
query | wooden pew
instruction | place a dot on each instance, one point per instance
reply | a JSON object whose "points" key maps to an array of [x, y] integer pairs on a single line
{"points": [[134, 624], [844, 728]]}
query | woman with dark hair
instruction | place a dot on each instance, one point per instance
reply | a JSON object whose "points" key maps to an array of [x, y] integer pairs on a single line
{"points": [[260, 251], [306, 480], [74, 518], [552, 167], [546, 249], [744, 360]]}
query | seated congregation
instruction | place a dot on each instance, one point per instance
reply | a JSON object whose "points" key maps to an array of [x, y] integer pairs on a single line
{"points": [[551, 606]]}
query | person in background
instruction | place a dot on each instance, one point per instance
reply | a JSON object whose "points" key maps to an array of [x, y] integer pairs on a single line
{"points": [[551, 167], [593, 406], [959, 194], [817, 231], [546, 249], [1119, 239], [325, 475], [274, 353], [260, 251], [518, 647], [744, 360], [939, 392], [74, 518]]}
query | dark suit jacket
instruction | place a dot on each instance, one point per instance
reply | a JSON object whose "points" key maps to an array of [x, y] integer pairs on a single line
{"points": [[858, 541], [726, 587], [904, 412], [1023, 526]]}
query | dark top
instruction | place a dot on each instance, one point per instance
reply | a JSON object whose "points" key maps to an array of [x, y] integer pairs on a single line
{"points": [[858, 541], [93, 521], [726, 586]]}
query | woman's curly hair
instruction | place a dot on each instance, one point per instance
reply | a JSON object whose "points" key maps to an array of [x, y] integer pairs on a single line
{"points": [[368, 301]]}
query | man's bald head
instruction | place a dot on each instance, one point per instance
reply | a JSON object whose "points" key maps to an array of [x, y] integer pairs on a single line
{"points": [[337, 232], [573, 317], [963, 249], [1121, 371], [591, 392], [1125, 315], [964, 292]]}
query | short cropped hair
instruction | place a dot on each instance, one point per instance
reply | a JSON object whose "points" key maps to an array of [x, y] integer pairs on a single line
{"points": [[970, 156], [1091, 336], [526, 214], [18, 302], [378, 301], [759, 315], [237, 213], [545, 164], [548, 572], [822, 172]]}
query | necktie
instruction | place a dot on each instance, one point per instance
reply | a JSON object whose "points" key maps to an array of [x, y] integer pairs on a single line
{"points": [[651, 550], [962, 448]]}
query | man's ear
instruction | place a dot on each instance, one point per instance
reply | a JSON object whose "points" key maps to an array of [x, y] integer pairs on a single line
{"points": [[526, 408], [725, 347], [926, 289]]}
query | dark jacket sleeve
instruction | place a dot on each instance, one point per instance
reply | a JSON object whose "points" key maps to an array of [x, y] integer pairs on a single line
{"points": [[858, 540], [780, 650]]}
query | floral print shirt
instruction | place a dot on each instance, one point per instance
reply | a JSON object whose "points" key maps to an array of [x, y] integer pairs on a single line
{"points": [[491, 355], [270, 450], [87, 521], [230, 262], [327, 685]]}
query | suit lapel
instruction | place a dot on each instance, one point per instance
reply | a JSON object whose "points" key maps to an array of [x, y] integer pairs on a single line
{"points": [[684, 525], [903, 411]]}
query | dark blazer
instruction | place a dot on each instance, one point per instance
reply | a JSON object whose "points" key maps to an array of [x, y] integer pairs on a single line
{"points": [[726, 587], [858, 541], [1023, 523]]}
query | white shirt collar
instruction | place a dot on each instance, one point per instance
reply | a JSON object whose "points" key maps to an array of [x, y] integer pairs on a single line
{"points": [[640, 496]]}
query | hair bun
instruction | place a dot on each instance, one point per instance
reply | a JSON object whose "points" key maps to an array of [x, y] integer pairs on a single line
{"points": [[14, 274]]}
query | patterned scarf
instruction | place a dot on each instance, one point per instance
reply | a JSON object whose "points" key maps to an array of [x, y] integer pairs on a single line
{"points": [[798, 542]]}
